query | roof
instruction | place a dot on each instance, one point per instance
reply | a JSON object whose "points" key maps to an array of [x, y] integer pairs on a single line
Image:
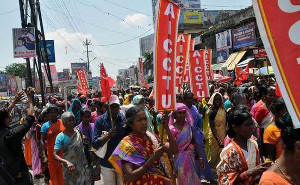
{"points": [[216, 67], [233, 59]]}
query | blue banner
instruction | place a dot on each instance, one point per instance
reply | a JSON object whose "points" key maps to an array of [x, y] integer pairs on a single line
{"points": [[50, 50]]}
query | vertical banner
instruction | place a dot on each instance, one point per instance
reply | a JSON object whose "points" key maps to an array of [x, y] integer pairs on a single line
{"points": [[83, 81], [198, 77], [141, 68], [279, 23], [105, 88], [165, 55], [192, 44], [182, 53], [207, 59]]}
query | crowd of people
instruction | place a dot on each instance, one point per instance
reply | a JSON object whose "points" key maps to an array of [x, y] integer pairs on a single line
{"points": [[239, 135]]}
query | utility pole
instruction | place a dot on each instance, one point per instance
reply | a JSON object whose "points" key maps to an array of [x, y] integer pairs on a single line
{"points": [[87, 43]]}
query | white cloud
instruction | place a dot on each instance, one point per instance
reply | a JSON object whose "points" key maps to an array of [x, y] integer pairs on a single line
{"points": [[137, 19]]}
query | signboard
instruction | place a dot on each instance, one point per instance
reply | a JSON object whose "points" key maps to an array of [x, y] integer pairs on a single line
{"points": [[124, 72], [12, 86], [259, 52], [199, 85], [83, 81], [192, 17], [222, 55], [146, 44], [24, 42], [141, 69], [50, 50], [164, 56], [278, 23], [63, 76], [78, 66], [189, 4], [207, 59], [223, 40], [244, 36]]}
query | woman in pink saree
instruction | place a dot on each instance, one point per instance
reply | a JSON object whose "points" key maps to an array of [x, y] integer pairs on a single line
{"points": [[180, 125]]}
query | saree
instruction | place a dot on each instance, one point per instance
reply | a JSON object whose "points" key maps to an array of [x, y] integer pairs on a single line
{"points": [[233, 162], [55, 168], [36, 161], [212, 143], [137, 150], [74, 153], [27, 147], [184, 161]]}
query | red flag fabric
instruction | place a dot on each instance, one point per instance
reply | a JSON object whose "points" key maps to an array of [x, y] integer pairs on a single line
{"points": [[83, 82], [247, 69], [105, 88], [111, 81], [240, 75]]}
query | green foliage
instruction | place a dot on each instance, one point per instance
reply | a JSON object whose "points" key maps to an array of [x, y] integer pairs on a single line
{"points": [[148, 57], [16, 69]]}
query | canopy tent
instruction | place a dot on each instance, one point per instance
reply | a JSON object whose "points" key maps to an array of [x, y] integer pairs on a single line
{"points": [[233, 59], [216, 67], [245, 62]]}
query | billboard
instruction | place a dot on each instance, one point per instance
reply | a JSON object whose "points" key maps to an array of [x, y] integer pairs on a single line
{"points": [[209, 17], [146, 44], [189, 4], [3, 87], [50, 50], [53, 76], [24, 42], [244, 36], [12, 86], [124, 73], [259, 52], [63, 76], [192, 17], [78, 66], [223, 40]]}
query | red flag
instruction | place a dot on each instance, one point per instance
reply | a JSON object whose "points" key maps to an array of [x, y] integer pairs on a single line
{"points": [[247, 69], [105, 88], [111, 81], [240, 75], [83, 82]]}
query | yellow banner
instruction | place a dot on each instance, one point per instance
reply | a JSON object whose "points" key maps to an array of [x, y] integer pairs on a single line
{"points": [[193, 17]]}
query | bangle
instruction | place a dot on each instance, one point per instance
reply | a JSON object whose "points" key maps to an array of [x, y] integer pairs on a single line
{"points": [[244, 176]]}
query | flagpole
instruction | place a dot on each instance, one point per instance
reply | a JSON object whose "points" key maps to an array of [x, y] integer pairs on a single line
{"points": [[109, 111]]}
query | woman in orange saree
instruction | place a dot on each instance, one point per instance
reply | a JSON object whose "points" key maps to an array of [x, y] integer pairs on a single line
{"points": [[49, 131]]}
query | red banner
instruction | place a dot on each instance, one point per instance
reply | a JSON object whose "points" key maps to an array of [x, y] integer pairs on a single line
{"points": [[165, 55], [208, 58], [141, 68], [83, 81], [278, 23], [105, 88], [199, 84], [192, 45], [186, 78], [182, 50]]}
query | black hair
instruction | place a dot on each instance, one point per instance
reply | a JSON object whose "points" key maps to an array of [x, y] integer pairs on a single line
{"points": [[83, 111], [186, 94], [41, 116], [238, 115], [130, 115], [289, 137], [277, 105], [237, 95], [53, 107], [22, 39], [4, 113]]}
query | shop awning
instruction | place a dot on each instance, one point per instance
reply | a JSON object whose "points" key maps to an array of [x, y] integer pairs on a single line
{"points": [[244, 63], [216, 67], [233, 59]]}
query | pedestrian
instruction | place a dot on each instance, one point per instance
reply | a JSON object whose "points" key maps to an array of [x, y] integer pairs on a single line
{"points": [[111, 133], [49, 131], [137, 156], [70, 143], [13, 167], [75, 109], [240, 159]]}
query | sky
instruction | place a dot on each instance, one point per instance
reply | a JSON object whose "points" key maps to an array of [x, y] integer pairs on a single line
{"points": [[106, 23]]}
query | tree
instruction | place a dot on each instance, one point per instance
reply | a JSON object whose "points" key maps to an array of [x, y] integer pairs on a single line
{"points": [[148, 57], [16, 69]]}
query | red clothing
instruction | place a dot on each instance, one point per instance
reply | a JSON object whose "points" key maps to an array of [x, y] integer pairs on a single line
{"points": [[259, 111], [95, 115], [272, 178]]}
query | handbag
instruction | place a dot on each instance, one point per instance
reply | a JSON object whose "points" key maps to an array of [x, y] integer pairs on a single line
{"points": [[102, 150]]}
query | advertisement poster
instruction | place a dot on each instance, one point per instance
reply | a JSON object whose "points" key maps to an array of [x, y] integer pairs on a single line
{"points": [[209, 17], [53, 75], [278, 24], [24, 42], [78, 66], [222, 55], [192, 17], [223, 40], [63, 76], [244, 36], [259, 52], [146, 44], [50, 50], [12, 86], [164, 56]]}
